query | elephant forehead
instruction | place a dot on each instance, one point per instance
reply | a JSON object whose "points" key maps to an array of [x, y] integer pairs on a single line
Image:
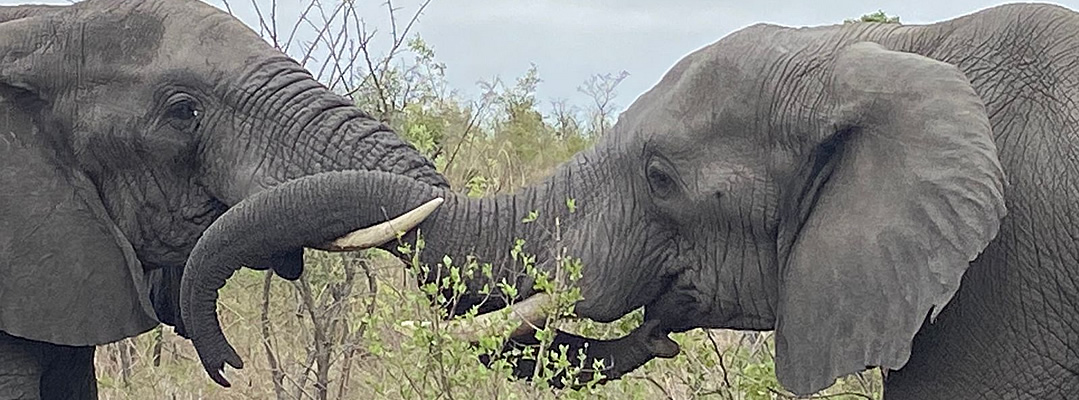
{"points": [[712, 103], [136, 33], [118, 37]]}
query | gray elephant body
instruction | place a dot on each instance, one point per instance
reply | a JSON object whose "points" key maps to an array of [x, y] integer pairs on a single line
{"points": [[831, 183], [1012, 329], [126, 128], [34, 369]]}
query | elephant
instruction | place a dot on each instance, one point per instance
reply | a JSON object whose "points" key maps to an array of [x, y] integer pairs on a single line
{"points": [[878, 195], [126, 128]]}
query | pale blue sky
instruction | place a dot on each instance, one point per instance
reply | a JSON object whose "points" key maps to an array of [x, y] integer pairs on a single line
{"points": [[570, 39]]}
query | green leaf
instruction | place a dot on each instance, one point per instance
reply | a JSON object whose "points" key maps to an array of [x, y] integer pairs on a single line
{"points": [[532, 215]]}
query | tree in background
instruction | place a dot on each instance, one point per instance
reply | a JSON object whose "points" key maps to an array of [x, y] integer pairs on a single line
{"points": [[878, 16], [600, 88]]}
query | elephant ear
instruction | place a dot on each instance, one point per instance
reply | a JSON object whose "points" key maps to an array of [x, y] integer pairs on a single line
{"points": [[24, 41], [905, 191], [67, 274]]}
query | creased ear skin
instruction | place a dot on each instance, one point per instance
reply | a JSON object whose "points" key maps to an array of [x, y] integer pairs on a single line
{"points": [[911, 191], [67, 274], [24, 36]]}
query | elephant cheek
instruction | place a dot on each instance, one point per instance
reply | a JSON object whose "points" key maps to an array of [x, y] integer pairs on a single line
{"points": [[620, 278], [603, 296]]}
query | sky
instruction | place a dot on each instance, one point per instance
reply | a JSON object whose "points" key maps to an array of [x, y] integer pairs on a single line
{"points": [[570, 40]]}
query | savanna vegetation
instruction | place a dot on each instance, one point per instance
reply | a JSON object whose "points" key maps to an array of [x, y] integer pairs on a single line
{"points": [[339, 332]]}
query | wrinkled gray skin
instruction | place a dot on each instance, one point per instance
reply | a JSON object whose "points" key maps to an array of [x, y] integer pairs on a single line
{"points": [[830, 183], [126, 128]]}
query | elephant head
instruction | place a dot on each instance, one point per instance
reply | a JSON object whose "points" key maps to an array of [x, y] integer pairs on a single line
{"points": [[126, 128], [810, 181]]}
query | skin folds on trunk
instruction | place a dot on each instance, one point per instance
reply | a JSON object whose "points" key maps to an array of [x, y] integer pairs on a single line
{"points": [[306, 212], [313, 211], [295, 127]]}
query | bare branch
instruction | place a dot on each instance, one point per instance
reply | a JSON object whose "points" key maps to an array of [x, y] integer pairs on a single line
{"points": [[321, 31], [273, 23], [262, 22], [722, 363], [276, 375], [296, 26], [228, 7]]}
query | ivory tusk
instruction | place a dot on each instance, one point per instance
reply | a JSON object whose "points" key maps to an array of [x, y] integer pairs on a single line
{"points": [[529, 314], [378, 234]]}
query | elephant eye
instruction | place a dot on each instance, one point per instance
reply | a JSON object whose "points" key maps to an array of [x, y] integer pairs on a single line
{"points": [[660, 182], [182, 112]]}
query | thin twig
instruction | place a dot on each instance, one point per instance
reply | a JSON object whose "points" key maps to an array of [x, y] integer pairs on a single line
{"points": [[296, 26], [722, 366], [276, 375], [273, 23], [350, 340], [262, 21], [322, 344], [321, 32], [466, 136]]}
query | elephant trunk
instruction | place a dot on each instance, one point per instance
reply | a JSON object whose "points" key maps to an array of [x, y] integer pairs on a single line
{"points": [[316, 210], [306, 212], [616, 357], [297, 127], [320, 211]]}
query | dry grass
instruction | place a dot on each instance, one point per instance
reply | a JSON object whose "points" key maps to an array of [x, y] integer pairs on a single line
{"points": [[381, 363]]}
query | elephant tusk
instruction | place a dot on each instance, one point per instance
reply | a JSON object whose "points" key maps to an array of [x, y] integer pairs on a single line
{"points": [[378, 234], [529, 314]]}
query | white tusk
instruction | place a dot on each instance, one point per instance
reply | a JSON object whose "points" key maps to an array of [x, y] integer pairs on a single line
{"points": [[529, 314], [378, 234]]}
